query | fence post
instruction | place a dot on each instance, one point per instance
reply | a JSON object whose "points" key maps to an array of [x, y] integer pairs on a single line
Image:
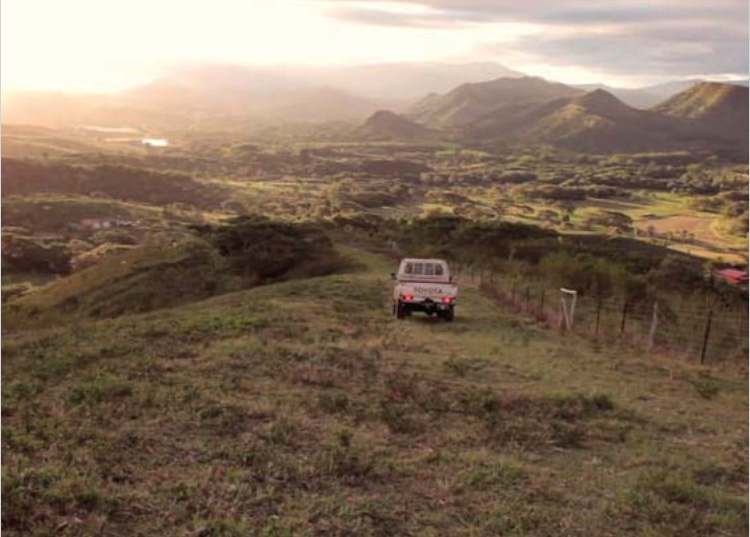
{"points": [[706, 335], [624, 316], [599, 304], [654, 323], [567, 312]]}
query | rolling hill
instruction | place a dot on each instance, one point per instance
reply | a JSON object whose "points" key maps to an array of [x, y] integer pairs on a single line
{"points": [[635, 97], [707, 116], [650, 96], [303, 408], [124, 183], [217, 93], [718, 108], [386, 125], [470, 102], [594, 122]]}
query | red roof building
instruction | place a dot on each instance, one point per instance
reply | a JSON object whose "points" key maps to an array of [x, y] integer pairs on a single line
{"points": [[733, 276]]}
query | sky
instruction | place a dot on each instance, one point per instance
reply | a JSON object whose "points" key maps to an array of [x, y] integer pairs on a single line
{"points": [[109, 45]]}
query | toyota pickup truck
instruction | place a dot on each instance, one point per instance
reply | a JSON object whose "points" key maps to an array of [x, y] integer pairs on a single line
{"points": [[424, 285]]}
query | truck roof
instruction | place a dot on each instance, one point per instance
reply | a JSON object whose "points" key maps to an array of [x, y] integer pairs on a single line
{"points": [[421, 260]]}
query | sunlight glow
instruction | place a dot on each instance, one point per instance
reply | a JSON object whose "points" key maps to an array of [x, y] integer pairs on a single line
{"points": [[95, 45]]}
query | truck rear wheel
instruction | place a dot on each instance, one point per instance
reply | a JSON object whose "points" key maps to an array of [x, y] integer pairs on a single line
{"points": [[448, 315], [399, 310]]}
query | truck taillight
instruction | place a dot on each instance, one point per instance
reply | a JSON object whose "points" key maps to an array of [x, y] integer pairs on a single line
{"points": [[408, 297], [447, 299]]}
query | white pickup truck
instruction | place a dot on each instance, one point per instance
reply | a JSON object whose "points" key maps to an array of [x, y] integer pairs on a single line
{"points": [[424, 285]]}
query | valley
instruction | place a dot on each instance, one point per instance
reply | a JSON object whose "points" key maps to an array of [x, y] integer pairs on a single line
{"points": [[198, 336]]}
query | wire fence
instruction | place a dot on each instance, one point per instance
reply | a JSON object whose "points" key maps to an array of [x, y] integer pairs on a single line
{"points": [[705, 332]]}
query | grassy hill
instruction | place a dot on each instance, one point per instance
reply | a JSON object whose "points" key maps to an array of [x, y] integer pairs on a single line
{"points": [[385, 125], [303, 408], [470, 102], [125, 183], [721, 109], [598, 122], [706, 99], [185, 267], [55, 212]]}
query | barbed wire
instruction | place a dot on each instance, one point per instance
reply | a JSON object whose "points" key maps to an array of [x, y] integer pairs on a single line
{"points": [[709, 331]]}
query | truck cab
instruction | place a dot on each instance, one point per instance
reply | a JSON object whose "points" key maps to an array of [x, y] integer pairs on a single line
{"points": [[424, 285]]}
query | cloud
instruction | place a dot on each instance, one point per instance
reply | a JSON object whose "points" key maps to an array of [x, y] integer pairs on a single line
{"points": [[623, 37], [657, 50]]}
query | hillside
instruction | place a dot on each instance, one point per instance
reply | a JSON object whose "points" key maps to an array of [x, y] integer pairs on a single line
{"points": [[303, 408], [213, 259], [210, 93], [470, 102], [718, 108], [598, 122], [636, 97], [386, 125], [120, 182]]}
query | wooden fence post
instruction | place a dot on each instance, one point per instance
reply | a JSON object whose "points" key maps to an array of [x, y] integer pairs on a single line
{"points": [[706, 335], [567, 311]]}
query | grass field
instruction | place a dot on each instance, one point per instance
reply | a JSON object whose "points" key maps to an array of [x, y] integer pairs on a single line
{"points": [[304, 408], [694, 232]]}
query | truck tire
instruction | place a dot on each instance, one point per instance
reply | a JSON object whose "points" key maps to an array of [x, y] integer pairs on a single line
{"points": [[400, 310], [448, 315]]}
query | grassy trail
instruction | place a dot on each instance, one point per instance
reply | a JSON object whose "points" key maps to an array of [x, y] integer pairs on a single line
{"points": [[304, 408]]}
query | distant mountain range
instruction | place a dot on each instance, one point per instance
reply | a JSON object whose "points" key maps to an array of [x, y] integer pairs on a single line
{"points": [[479, 102], [470, 102], [650, 96], [222, 93], [386, 125], [708, 116]]}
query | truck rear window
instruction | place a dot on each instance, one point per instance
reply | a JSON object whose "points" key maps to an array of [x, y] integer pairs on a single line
{"points": [[424, 269]]}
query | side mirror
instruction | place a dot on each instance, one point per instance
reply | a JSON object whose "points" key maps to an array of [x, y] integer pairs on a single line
{"points": [[393, 275]]}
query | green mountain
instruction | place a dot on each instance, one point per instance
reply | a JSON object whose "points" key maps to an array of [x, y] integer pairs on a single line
{"points": [[596, 121], [386, 125], [717, 107], [470, 102], [709, 116]]}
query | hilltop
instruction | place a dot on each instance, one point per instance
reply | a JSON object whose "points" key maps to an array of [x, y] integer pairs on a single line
{"points": [[303, 408], [209, 93], [598, 122], [718, 108], [469, 102], [387, 125], [595, 122], [125, 183]]}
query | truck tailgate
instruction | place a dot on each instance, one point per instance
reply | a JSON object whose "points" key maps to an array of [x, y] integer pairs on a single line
{"points": [[433, 290]]}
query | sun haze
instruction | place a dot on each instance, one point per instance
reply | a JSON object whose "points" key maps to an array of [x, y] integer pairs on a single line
{"points": [[91, 45]]}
